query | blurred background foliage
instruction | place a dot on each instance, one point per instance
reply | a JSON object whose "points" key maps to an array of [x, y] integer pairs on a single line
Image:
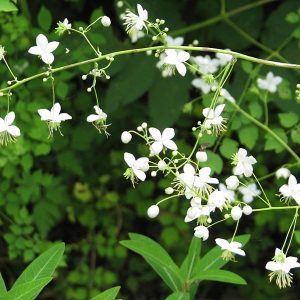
{"points": [[72, 188]]}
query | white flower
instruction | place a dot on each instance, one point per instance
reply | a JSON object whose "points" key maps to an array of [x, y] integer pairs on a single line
{"points": [[44, 49], [161, 140], [66, 23], [229, 195], [270, 83], [206, 64], [202, 85], [175, 59], [177, 41], [192, 213], [247, 210], [203, 181], [53, 117], [135, 23], [213, 119], [232, 247], [201, 232], [201, 156], [105, 21], [226, 95], [232, 182], [153, 211], [217, 199], [223, 58], [280, 267], [126, 137], [283, 172], [236, 213], [187, 178], [249, 192], [137, 167], [291, 190], [8, 132], [98, 120], [243, 163], [2, 52]]}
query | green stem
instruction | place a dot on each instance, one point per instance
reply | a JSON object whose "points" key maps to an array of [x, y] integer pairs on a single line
{"points": [[218, 18], [159, 48], [272, 133], [276, 208]]}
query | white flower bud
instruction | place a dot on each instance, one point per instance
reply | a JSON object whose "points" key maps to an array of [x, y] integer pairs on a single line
{"points": [[226, 216], [126, 137], [120, 4], [201, 232], [140, 128], [153, 211], [144, 125], [174, 153], [80, 28], [236, 213], [153, 173], [84, 77], [89, 90], [209, 220], [44, 79], [106, 22], [169, 190], [201, 156], [149, 52], [176, 161], [161, 165], [232, 182], [283, 172], [247, 210]]}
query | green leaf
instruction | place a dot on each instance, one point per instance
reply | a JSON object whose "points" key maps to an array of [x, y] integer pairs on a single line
{"points": [[272, 143], [255, 109], [295, 135], [178, 296], [191, 258], [213, 260], [2, 285], [292, 18], [42, 266], [28, 290], [228, 147], [247, 66], [131, 83], [167, 97], [7, 6], [220, 275], [109, 294], [288, 119], [44, 18], [248, 136], [158, 259]]}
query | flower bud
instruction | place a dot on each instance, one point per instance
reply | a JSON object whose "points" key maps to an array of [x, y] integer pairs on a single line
{"points": [[120, 4], [247, 210], [161, 165], [201, 232], [106, 22], [232, 182], [140, 128], [201, 156], [84, 77], [236, 213], [169, 190], [153, 211], [153, 173], [126, 137]]}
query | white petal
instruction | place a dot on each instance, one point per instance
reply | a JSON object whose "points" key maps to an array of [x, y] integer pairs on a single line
{"points": [[129, 159], [168, 134], [239, 252], [97, 109], [183, 56], [208, 113], [14, 130], [64, 117], [2, 125], [219, 109], [171, 53], [272, 266], [170, 145], [92, 118], [181, 68], [242, 153], [35, 50], [222, 243], [55, 110], [45, 114], [292, 180], [52, 46], [155, 133], [9, 118], [157, 147], [139, 174], [47, 58], [205, 172], [42, 41]]}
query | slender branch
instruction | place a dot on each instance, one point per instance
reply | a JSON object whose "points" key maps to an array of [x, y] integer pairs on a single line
{"points": [[159, 48], [219, 18], [276, 208]]}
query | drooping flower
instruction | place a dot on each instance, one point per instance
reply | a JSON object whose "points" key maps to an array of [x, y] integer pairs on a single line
{"points": [[44, 49], [283, 173], [187, 180], [162, 140], [223, 58], [137, 167], [213, 119], [136, 22], [270, 83], [2, 52], [203, 181], [202, 85], [63, 26], [201, 232], [229, 249], [53, 118], [243, 163], [280, 267], [291, 190], [249, 192], [206, 64], [99, 120], [232, 182], [8, 132], [175, 60], [229, 194]]}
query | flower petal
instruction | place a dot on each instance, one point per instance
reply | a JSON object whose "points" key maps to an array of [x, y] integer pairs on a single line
{"points": [[155, 133], [181, 68], [13, 130], [45, 114], [47, 58], [52, 46], [157, 147], [55, 110], [64, 117], [9, 118], [129, 159], [170, 144], [168, 134], [183, 56], [35, 50], [42, 41], [139, 174], [92, 118]]}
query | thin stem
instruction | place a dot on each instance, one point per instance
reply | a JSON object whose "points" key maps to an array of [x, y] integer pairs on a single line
{"points": [[265, 101], [9, 69], [235, 230], [261, 188], [53, 89], [289, 230], [272, 133], [293, 231], [218, 18], [96, 95], [276, 208], [140, 50]]}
